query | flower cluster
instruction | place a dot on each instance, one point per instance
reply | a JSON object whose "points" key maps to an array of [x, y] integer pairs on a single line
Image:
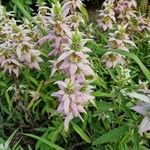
{"points": [[73, 97], [117, 40], [72, 5], [71, 59], [143, 23], [59, 28], [74, 64], [124, 9], [114, 11], [17, 49], [107, 15]]}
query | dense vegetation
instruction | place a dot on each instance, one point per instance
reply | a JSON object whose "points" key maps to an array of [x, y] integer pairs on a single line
{"points": [[67, 83]]}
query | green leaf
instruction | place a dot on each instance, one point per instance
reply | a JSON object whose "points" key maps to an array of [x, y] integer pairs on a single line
{"points": [[111, 136], [27, 15], [22, 9], [81, 133], [30, 78], [7, 143], [84, 12], [101, 94], [52, 145], [9, 101], [145, 71]]}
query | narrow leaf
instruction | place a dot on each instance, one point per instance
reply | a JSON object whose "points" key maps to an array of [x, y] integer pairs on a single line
{"points": [[111, 136], [52, 145], [81, 133]]}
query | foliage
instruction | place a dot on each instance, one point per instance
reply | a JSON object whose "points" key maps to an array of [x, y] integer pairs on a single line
{"points": [[112, 111]]}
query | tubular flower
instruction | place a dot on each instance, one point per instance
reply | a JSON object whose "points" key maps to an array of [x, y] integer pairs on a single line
{"points": [[74, 60], [59, 28], [107, 15], [73, 98]]}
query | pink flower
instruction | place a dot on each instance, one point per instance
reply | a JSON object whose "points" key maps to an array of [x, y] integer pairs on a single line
{"points": [[107, 15], [72, 5], [72, 99], [112, 59], [17, 48], [120, 39], [12, 66], [60, 28], [143, 109], [57, 45], [74, 60]]}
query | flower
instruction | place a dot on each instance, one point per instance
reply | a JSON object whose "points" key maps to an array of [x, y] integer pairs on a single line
{"points": [[59, 26], [119, 39], [17, 48], [107, 15], [74, 60], [143, 109], [111, 59], [72, 5], [11, 65], [75, 20], [72, 99]]}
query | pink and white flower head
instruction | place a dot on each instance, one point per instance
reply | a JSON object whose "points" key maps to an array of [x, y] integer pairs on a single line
{"points": [[120, 39], [88, 31], [57, 20], [75, 20], [125, 10], [72, 99], [74, 60], [11, 65], [72, 5], [143, 108], [143, 23], [59, 28], [17, 48], [4, 15], [111, 59], [107, 15], [143, 85], [124, 5]]}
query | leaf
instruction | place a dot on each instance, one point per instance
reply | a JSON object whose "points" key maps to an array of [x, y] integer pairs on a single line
{"points": [[111, 136], [30, 78], [52, 145], [7, 143], [84, 12], [81, 133], [145, 71], [104, 106], [27, 15], [9, 101], [22, 9], [101, 94]]}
